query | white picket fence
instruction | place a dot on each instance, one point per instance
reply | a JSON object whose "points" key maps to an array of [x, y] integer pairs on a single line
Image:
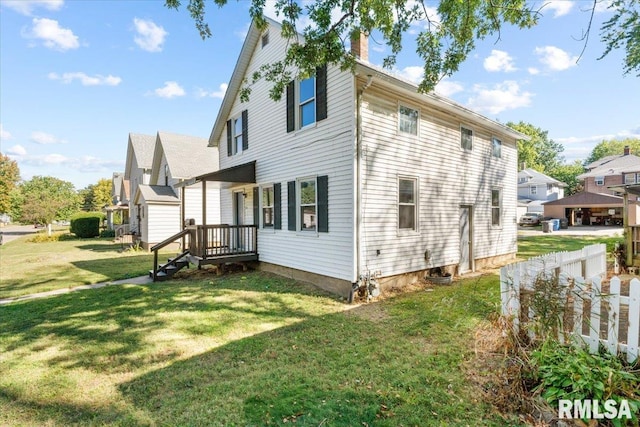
{"points": [[597, 316]]}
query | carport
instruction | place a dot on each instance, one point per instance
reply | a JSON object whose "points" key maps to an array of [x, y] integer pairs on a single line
{"points": [[588, 209]]}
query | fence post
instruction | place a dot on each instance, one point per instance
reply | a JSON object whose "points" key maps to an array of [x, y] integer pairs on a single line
{"points": [[613, 311], [634, 320], [594, 315]]}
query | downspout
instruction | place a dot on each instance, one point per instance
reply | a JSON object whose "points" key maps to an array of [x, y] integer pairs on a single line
{"points": [[359, 174]]}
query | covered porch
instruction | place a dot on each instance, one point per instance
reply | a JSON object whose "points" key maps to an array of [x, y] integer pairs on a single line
{"points": [[212, 244]]}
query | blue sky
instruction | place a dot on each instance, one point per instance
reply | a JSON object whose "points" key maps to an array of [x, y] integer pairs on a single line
{"points": [[77, 76]]}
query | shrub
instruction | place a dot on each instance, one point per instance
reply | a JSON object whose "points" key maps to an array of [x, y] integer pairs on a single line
{"points": [[86, 224], [108, 233], [570, 372], [55, 237]]}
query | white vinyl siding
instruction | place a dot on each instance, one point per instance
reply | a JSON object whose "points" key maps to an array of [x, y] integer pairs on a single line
{"points": [[448, 177], [193, 204], [160, 222], [326, 148]]}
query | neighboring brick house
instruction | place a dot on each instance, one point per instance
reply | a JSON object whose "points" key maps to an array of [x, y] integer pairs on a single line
{"points": [[610, 171]]}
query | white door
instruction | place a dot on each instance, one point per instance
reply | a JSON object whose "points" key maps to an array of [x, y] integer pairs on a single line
{"points": [[237, 236], [466, 240]]}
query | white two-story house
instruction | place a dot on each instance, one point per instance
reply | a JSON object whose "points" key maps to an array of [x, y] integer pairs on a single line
{"points": [[351, 176], [535, 188]]}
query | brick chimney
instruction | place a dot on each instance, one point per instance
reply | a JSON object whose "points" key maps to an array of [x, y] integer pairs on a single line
{"points": [[627, 150], [360, 45]]}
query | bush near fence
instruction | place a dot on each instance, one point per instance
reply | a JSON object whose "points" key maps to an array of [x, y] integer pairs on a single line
{"points": [[594, 312]]}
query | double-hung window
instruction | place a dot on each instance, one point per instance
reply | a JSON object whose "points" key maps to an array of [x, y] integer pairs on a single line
{"points": [[496, 207], [237, 134], [533, 190], [466, 138], [408, 120], [630, 178], [307, 101], [496, 147], [407, 204], [307, 204], [267, 207], [599, 180]]}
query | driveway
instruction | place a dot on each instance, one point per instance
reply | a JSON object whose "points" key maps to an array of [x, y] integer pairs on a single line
{"points": [[576, 230], [12, 232]]}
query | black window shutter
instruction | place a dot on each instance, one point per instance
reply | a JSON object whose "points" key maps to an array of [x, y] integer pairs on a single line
{"points": [[277, 208], [291, 107], [323, 204], [291, 204], [229, 139], [256, 206], [321, 93], [245, 134]]}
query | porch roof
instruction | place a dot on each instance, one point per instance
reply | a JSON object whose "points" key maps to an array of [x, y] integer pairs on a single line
{"points": [[235, 175], [633, 189]]}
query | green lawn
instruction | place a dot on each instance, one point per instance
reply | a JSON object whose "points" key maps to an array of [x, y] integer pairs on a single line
{"points": [[247, 349], [243, 349], [27, 268], [538, 245]]}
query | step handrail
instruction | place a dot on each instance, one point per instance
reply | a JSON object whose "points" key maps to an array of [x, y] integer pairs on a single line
{"points": [[165, 242]]}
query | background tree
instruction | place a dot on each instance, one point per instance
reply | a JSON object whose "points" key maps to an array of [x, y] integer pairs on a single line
{"points": [[569, 175], [445, 41], [9, 178], [613, 147], [443, 44], [96, 196], [47, 198], [540, 153]]}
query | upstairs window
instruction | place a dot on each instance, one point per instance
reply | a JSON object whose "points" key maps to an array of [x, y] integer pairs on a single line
{"points": [[237, 134], [307, 101], [496, 147], [630, 178], [408, 120], [533, 190], [166, 174], [265, 39], [599, 180], [466, 138], [307, 104], [522, 180]]}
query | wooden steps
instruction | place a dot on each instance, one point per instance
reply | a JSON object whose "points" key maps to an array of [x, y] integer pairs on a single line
{"points": [[173, 265]]}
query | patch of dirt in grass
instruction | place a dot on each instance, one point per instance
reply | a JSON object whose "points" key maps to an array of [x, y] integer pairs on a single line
{"points": [[499, 376]]}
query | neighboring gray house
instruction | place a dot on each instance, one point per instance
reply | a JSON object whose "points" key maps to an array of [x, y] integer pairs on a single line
{"points": [[353, 176], [167, 201], [137, 171], [535, 188]]}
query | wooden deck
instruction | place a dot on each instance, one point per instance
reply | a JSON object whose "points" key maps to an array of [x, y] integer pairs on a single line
{"points": [[216, 244]]}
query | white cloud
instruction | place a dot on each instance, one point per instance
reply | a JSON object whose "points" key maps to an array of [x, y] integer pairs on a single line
{"points": [[499, 61], [533, 71], [412, 73], [45, 138], [503, 96], [53, 35], [5, 135], [86, 80], [170, 90], [17, 150], [554, 58], [559, 7], [215, 94], [150, 36], [579, 147], [603, 5], [26, 7], [448, 87]]}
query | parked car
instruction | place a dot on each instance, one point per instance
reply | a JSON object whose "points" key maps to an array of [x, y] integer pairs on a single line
{"points": [[530, 218]]}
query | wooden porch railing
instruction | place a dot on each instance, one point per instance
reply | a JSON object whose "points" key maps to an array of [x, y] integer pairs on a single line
{"points": [[217, 240]]}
